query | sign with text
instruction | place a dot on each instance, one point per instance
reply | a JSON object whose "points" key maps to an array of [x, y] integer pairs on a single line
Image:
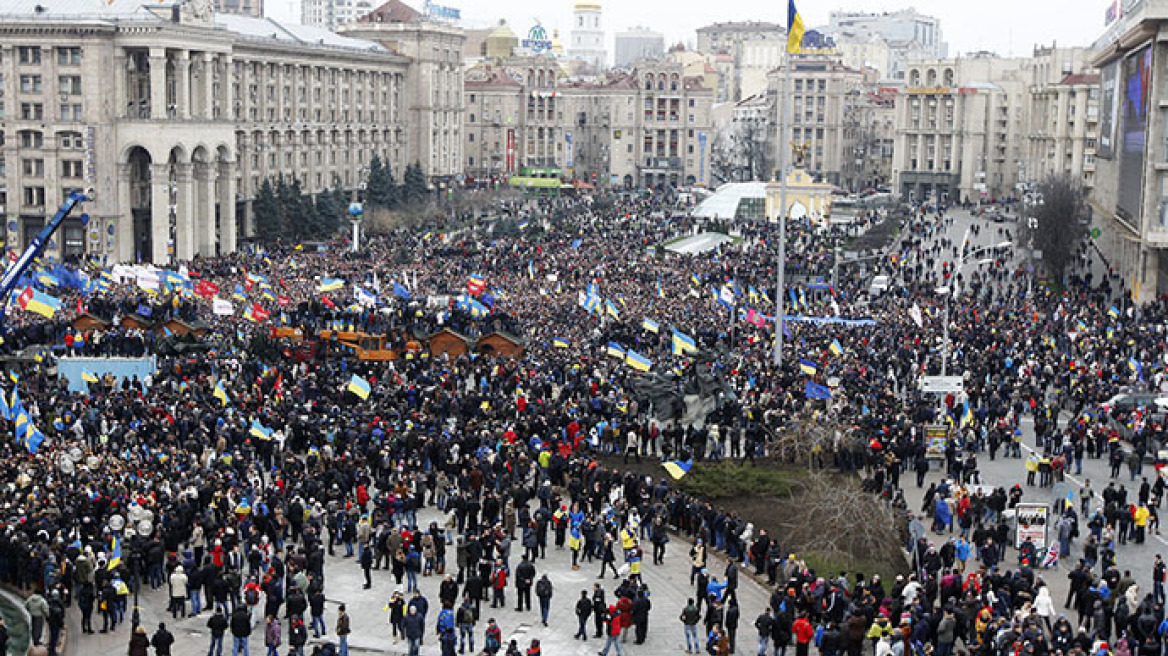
{"points": [[1031, 520], [943, 384]]}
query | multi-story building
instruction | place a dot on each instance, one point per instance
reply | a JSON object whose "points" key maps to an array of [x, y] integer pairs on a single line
{"points": [[631, 46], [960, 129], [253, 8], [865, 52], [745, 53], [909, 35], [433, 83], [175, 116], [1129, 195], [870, 130], [331, 14], [1063, 116], [587, 37], [822, 90], [647, 127]]}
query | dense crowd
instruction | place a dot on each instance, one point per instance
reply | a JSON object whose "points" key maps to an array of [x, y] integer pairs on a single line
{"points": [[232, 476]]}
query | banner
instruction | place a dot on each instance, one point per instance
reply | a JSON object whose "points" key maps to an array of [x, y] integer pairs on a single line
{"points": [[222, 308], [1031, 520]]}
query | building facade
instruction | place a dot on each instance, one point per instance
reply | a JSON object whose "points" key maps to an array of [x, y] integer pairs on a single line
{"points": [[1063, 116], [636, 44], [587, 42], [822, 91], [433, 84], [330, 14], [253, 8], [176, 116], [647, 127], [745, 53], [960, 129], [1129, 195], [908, 34]]}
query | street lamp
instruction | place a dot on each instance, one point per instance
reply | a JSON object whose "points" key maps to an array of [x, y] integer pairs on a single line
{"points": [[962, 263]]}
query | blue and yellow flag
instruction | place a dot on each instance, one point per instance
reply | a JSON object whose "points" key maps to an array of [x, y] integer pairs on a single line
{"points": [[615, 350], [560, 342], [835, 348], [677, 468], [795, 28], [683, 343], [359, 386], [650, 325], [115, 553], [638, 361], [260, 431], [808, 367]]}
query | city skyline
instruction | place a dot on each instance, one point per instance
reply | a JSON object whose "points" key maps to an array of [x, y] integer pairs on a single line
{"points": [[1041, 22]]}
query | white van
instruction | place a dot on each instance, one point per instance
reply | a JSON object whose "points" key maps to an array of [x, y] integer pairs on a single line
{"points": [[879, 286]]}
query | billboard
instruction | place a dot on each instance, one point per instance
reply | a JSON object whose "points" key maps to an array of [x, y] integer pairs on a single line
{"points": [[1032, 519], [1137, 84], [1108, 110]]}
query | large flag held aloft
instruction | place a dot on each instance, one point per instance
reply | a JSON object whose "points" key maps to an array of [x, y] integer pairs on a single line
{"points": [[359, 386], [31, 300], [808, 367], [637, 361], [683, 343], [816, 391]]}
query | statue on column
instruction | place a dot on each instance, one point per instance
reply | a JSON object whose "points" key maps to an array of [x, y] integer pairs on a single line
{"points": [[799, 153]]}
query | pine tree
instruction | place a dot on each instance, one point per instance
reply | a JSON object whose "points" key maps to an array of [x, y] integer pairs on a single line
{"points": [[415, 184], [328, 214], [266, 211]]}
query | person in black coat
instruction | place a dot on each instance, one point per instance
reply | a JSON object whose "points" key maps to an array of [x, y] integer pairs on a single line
{"points": [[162, 640], [218, 626], [240, 628], [583, 610], [641, 607]]}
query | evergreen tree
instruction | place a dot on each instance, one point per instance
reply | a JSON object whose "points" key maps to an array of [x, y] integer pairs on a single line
{"points": [[414, 184], [328, 214], [379, 191], [266, 210]]}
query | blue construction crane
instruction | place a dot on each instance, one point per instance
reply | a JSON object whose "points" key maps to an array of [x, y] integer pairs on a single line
{"points": [[37, 246]]}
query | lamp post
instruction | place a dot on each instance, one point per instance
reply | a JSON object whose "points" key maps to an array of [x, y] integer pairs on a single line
{"points": [[950, 291]]}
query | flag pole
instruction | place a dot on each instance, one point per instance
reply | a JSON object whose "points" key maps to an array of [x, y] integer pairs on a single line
{"points": [[782, 257]]}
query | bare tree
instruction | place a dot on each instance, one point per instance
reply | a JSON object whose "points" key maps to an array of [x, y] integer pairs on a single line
{"points": [[1058, 221], [842, 520]]}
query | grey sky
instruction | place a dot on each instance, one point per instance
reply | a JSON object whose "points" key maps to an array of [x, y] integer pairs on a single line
{"points": [[1003, 26]]}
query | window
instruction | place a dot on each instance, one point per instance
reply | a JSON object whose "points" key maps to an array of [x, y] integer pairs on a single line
{"points": [[69, 56], [33, 167], [72, 168], [470, 137], [29, 55], [69, 140], [34, 196], [30, 84], [32, 111], [472, 99], [472, 118], [470, 161], [71, 113], [69, 84], [31, 139]]}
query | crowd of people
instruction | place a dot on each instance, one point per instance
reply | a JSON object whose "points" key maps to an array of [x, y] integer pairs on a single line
{"points": [[239, 478]]}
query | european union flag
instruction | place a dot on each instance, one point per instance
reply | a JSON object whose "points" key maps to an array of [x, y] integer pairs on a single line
{"points": [[816, 391]]}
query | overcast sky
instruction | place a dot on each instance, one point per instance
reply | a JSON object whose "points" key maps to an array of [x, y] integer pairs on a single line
{"points": [[1008, 27]]}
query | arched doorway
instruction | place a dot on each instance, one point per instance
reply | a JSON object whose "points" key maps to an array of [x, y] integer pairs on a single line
{"points": [[140, 164]]}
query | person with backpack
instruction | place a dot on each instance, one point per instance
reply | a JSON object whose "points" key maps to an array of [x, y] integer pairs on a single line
{"points": [[690, 616], [499, 585], [764, 623], [414, 626], [445, 623], [466, 624], [583, 610], [56, 620], [218, 627], [343, 630], [804, 633], [413, 568], [493, 639], [251, 598], [397, 613], [543, 591], [240, 630]]}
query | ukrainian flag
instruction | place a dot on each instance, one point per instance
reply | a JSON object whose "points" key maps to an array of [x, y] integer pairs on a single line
{"points": [[359, 386], [677, 468], [683, 343], [808, 367], [560, 342], [221, 393], [966, 414], [33, 301], [609, 308], [5, 411], [115, 553], [650, 325], [239, 293], [835, 348], [795, 28], [331, 284], [260, 431], [88, 377], [638, 361], [615, 350], [1113, 312], [752, 294], [693, 277]]}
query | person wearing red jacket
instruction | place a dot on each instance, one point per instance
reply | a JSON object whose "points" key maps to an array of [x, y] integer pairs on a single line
{"points": [[614, 631], [499, 585], [625, 607], [804, 632]]}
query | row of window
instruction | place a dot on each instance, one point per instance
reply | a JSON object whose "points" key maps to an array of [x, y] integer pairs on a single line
{"points": [[34, 167], [66, 84], [32, 55], [35, 111]]}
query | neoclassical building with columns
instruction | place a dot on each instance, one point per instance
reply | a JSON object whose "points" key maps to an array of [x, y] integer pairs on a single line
{"points": [[175, 115]]}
